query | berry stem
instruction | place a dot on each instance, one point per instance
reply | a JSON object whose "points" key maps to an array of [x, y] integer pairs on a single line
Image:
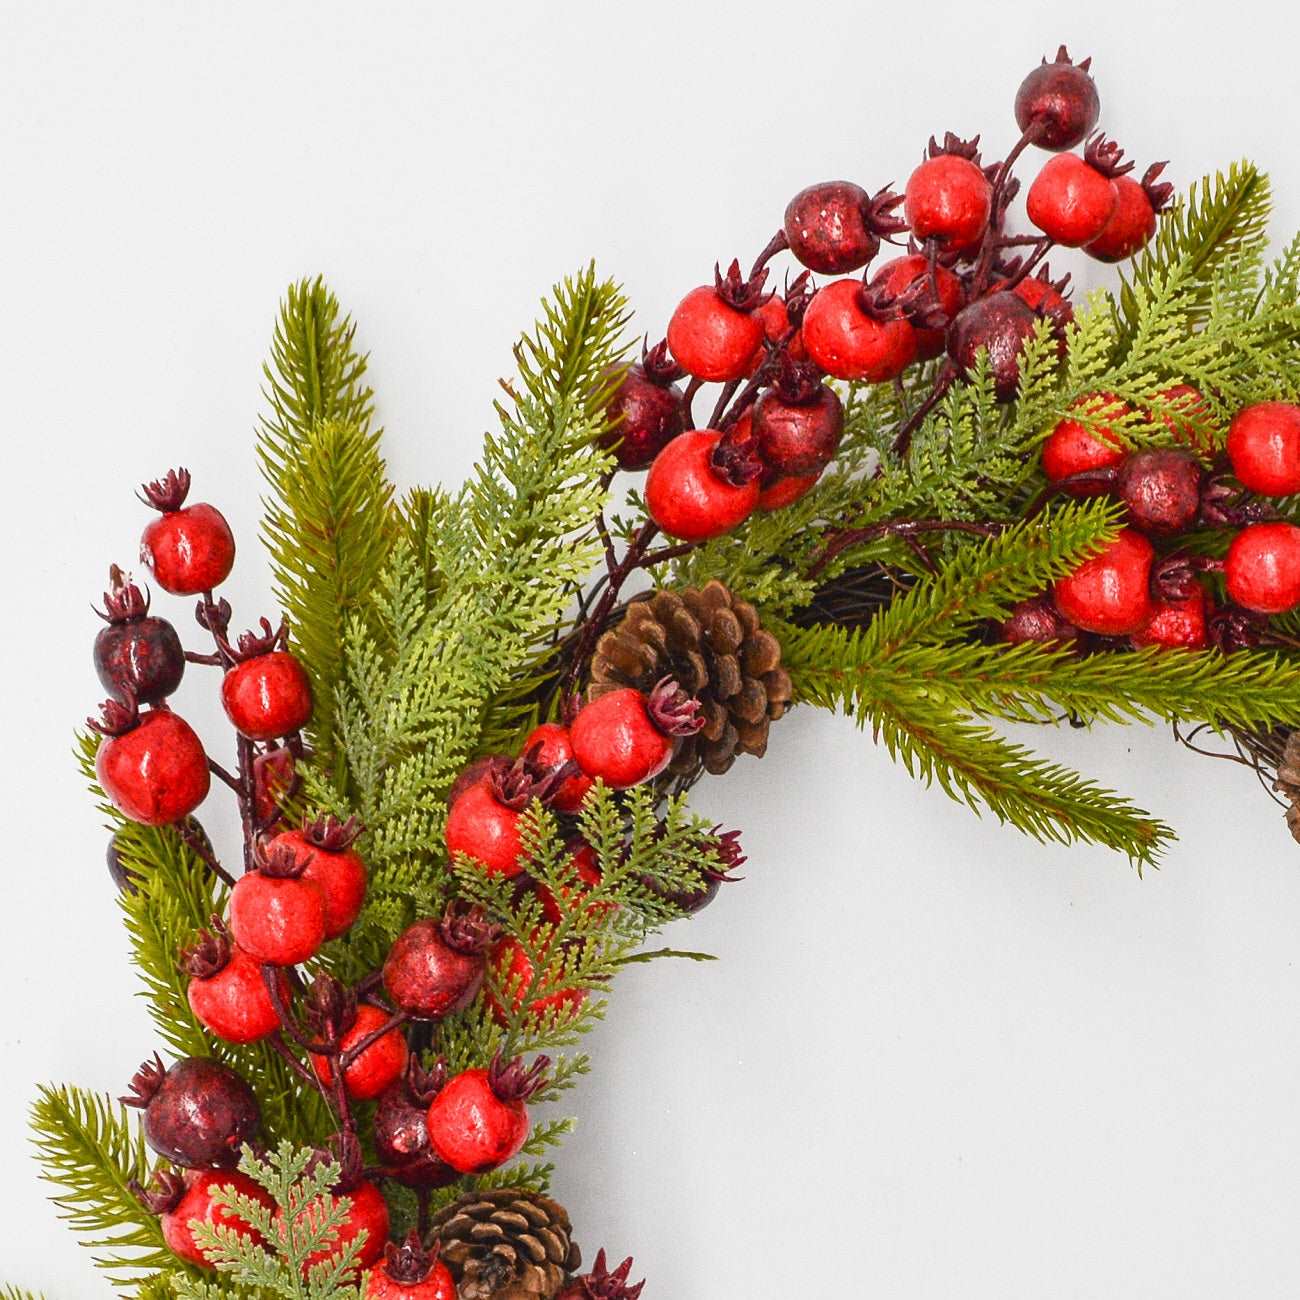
{"points": [[777, 244], [943, 381], [212, 660], [222, 775], [904, 529], [993, 236], [281, 1048], [195, 843], [394, 1021], [728, 392]]}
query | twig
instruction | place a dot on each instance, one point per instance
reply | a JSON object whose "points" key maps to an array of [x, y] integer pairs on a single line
{"points": [[904, 529]]}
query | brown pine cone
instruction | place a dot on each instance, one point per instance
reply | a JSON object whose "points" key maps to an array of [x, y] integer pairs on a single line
{"points": [[1288, 781], [507, 1244], [713, 645]]}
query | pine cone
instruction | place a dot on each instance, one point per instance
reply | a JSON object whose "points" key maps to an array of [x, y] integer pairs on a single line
{"points": [[714, 646], [1288, 781], [507, 1244]]}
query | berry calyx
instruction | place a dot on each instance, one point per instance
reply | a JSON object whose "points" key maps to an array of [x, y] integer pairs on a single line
{"points": [[948, 197], [409, 1272], [1039, 622], [180, 1202], [929, 302], [624, 737], [188, 549], [1000, 325], [381, 1059], [276, 915], [1110, 593], [645, 411], [1059, 101], [136, 654], [479, 1120], [435, 968], [602, 1284], [1133, 222], [1262, 568], [198, 1113], [152, 765], [836, 226], [1176, 624], [227, 991], [1076, 448], [798, 424], [850, 337], [1072, 198], [1161, 489], [330, 863], [402, 1133], [701, 486], [1264, 448], [549, 747], [713, 333], [266, 694]]}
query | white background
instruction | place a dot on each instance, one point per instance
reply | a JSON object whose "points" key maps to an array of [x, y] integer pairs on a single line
{"points": [[935, 1060]]}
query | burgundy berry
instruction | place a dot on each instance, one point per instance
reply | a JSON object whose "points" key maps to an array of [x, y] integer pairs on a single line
{"points": [[479, 1120], [197, 1114], [189, 549], [137, 653], [696, 899], [999, 324], [332, 865], [227, 991], [602, 1284], [1176, 624], [401, 1129], [181, 1201], [550, 747], [701, 485], [850, 338], [713, 333], [933, 301], [266, 694], [836, 226], [277, 916], [435, 968], [409, 1272], [625, 737], [1110, 593], [124, 877], [1161, 490], [1262, 568], [1264, 448], [374, 1068], [1072, 198], [798, 422], [949, 199], [1133, 222], [1037, 621], [646, 410], [152, 765], [1059, 99]]}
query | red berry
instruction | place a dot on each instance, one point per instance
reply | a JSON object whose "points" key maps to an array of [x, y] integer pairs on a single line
{"points": [[276, 915], [1110, 593], [949, 199], [1262, 568], [1161, 489], [1070, 201], [624, 737], [551, 748], [481, 826], [896, 277], [1037, 621], [798, 438], [1073, 448], [267, 693], [1131, 225], [646, 411], [1046, 298], [517, 973], [402, 1131], [688, 494], [333, 866], [835, 226], [1264, 447], [999, 325], [368, 1213], [1060, 99], [846, 341], [274, 778], [410, 1272], [189, 549], [227, 991], [376, 1066], [1177, 624], [479, 1120], [136, 655], [1189, 405], [782, 492], [152, 765], [583, 865], [435, 968], [180, 1202], [712, 339]]}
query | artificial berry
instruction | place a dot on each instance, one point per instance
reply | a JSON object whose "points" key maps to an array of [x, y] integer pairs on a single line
{"points": [[402, 1132], [227, 991], [409, 1272], [550, 747], [942, 295], [124, 877], [782, 492], [695, 898], [1262, 568], [266, 694], [1074, 448], [332, 865], [1071, 200], [1000, 325], [1059, 101], [479, 1119], [197, 1114], [367, 1212], [646, 410], [602, 1284], [1175, 624], [138, 654], [371, 1070], [948, 197], [1133, 222], [152, 765], [1110, 593], [1039, 622], [1046, 298], [517, 976], [181, 1202], [1188, 417], [584, 868], [625, 737], [699, 487], [798, 428], [713, 333], [835, 226], [1161, 489], [277, 916], [189, 549], [435, 968], [275, 776], [849, 338], [1264, 448]]}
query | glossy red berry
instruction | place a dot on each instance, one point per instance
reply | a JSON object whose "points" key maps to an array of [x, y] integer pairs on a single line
{"points": [[401, 1129], [266, 695], [516, 977], [479, 1119], [1070, 201], [948, 197], [486, 829], [1060, 100], [435, 968], [551, 747], [189, 549], [409, 1272], [602, 1283], [844, 338], [1110, 593], [151, 765], [324, 846], [1077, 448], [943, 297], [694, 492], [277, 916], [782, 492], [373, 1069], [798, 432], [1038, 621], [1161, 490], [1262, 568], [227, 991], [1130, 225], [835, 226], [368, 1213], [646, 410], [1175, 624], [182, 1201], [1046, 298], [198, 1113], [713, 333], [625, 737], [138, 655], [1000, 325], [1264, 447]]}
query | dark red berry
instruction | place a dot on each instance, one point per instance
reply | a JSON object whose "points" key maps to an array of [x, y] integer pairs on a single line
{"points": [[602, 1284], [197, 1114], [402, 1132], [1262, 568], [693, 899], [1110, 593], [1161, 490], [189, 549], [849, 340], [1175, 624], [182, 1201], [713, 333], [1071, 201], [277, 916], [1060, 100], [1075, 448], [377, 1065], [152, 765], [948, 197], [479, 1119], [798, 437], [550, 748], [835, 226], [646, 410], [435, 968], [124, 877], [137, 654], [332, 865], [409, 1272], [266, 694], [624, 737], [941, 297], [1264, 447], [227, 991], [999, 324], [690, 492], [1037, 621]]}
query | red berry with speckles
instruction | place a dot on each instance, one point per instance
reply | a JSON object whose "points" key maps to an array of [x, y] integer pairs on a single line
{"points": [[1262, 568], [189, 549], [714, 333], [1045, 297], [182, 1201], [227, 991], [333, 866], [948, 197], [1060, 100], [435, 968], [646, 411], [1161, 490], [1075, 448], [1264, 447], [1187, 415], [197, 1114], [275, 777], [479, 1120], [695, 491], [1110, 593], [550, 747], [1130, 226], [137, 655], [944, 297], [409, 1272], [1175, 624], [844, 338], [402, 1131], [1000, 325], [266, 694], [277, 916], [835, 226], [1037, 621], [797, 432], [625, 737], [376, 1066], [584, 870], [152, 765]]}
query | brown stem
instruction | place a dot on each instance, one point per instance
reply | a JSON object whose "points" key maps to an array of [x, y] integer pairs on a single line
{"points": [[271, 978], [282, 1049], [980, 279], [395, 1021], [213, 660], [1098, 478], [222, 775], [204, 851], [719, 408], [688, 397], [651, 558], [905, 529], [943, 381], [777, 244]]}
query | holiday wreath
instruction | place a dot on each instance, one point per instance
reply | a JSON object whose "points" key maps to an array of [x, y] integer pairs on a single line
{"points": [[930, 492]]}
